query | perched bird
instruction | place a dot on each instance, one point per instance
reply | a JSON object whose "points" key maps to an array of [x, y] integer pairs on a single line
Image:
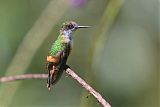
{"points": [[59, 52]]}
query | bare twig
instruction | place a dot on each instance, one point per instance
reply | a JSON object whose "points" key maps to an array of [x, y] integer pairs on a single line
{"points": [[23, 76], [88, 88], [70, 73]]}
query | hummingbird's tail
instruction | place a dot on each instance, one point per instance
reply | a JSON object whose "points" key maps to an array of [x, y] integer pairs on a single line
{"points": [[52, 74], [49, 81]]}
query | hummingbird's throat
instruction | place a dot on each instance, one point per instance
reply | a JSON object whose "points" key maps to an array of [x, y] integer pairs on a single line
{"points": [[67, 34]]}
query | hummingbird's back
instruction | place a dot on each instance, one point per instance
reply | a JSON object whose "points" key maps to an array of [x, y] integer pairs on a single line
{"points": [[57, 46]]}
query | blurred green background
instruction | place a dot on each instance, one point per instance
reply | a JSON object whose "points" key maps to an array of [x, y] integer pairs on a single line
{"points": [[118, 56]]}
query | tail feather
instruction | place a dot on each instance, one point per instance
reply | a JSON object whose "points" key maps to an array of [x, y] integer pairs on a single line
{"points": [[49, 79], [52, 75]]}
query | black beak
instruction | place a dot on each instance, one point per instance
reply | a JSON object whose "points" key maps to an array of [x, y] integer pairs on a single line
{"points": [[84, 26]]}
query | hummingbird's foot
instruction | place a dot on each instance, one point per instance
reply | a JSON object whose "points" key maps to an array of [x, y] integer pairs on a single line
{"points": [[66, 67]]}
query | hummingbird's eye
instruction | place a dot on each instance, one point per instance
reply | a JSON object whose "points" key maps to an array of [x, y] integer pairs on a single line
{"points": [[70, 26]]}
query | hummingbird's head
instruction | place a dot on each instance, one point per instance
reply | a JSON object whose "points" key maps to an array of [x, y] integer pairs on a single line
{"points": [[71, 26]]}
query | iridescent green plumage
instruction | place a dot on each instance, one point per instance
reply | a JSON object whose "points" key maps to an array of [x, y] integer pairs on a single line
{"points": [[58, 46]]}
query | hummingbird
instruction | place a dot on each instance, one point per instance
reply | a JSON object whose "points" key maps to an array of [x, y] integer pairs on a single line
{"points": [[59, 52]]}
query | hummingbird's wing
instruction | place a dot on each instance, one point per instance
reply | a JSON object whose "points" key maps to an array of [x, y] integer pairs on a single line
{"points": [[55, 69]]}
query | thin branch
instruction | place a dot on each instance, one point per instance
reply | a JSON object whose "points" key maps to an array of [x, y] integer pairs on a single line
{"points": [[88, 88], [21, 77], [70, 73]]}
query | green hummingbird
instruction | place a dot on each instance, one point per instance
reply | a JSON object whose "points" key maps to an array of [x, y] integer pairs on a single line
{"points": [[59, 52]]}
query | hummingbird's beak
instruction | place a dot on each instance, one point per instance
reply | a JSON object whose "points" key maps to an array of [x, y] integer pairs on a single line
{"points": [[84, 26]]}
